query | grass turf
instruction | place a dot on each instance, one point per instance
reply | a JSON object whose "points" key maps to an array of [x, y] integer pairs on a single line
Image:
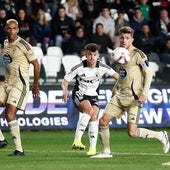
{"points": [[51, 150]]}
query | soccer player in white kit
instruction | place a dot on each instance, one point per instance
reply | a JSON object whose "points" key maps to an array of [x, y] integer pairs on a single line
{"points": [[85, 94]]}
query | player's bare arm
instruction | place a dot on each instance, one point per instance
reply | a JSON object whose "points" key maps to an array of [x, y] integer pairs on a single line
{"points": [[116, 76], [64, 86], [35, 88]]}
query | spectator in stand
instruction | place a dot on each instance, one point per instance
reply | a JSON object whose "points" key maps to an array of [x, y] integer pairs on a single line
{"points": [[137, 21], [156, 5], [162, 27], [146, 42], [36, 5], [166, 48], [145, 8], [77, 42], [103, 41], [62, 27], [164, 52], [42, 30], [116, 4], [107, 21], [73, 10], [120, 21], [128, 5], [52, 6], [25, 24], [27, 6], [10, 8], [91, 10], [164, 55], [3, 19]]}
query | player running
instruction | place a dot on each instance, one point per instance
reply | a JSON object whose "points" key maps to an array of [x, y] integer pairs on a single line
{"points": [[85, 94]]}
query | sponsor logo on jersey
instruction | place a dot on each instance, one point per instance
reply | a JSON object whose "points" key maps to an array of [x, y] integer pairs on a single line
{"points": [[7, 59], [122, 73]]}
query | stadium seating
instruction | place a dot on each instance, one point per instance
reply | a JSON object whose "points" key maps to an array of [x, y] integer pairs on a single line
{"points": [[39, 54], [56, 51], [155, 68], [52, 66], [69, 61]]}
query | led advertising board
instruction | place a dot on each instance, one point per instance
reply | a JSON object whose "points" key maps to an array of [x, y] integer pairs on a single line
{"points": [[53, 113]]}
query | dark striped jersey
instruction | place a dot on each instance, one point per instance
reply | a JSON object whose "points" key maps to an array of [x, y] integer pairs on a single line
{"points": [[87, 78]]}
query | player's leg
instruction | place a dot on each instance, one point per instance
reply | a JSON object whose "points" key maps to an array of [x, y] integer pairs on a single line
{"points": [[134, 131], [112, 111], [3, 141], [10, 114], [104, 134], [93, 131], [86, 109], [16, 100]]}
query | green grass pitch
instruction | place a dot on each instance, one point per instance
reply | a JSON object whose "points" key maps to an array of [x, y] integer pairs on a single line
{"points": [[51, 150]]}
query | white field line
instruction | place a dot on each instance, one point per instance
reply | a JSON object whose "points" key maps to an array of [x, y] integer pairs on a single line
{"points": [[166, 164], [84, 151]]}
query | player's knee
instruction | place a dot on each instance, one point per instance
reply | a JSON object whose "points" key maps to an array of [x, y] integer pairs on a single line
{"points": [[9, 117], [93, 118], [103, 122]]}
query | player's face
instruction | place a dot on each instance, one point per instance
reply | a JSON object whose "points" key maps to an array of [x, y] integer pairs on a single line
{"points": [[126, 40], [92, 58], [12, 31]]}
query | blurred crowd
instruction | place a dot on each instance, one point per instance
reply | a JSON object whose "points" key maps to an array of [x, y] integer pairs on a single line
{"points": [[71, 24]]}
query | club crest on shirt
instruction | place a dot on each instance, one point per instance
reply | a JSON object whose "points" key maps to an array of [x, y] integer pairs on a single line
{"points": [[83, 75], [97, 74], [122, 73], [7, 59]]}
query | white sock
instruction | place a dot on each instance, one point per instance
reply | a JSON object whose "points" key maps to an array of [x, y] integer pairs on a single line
{"points": [[81, 126], [146, 133], [15, 132], [1, 136], [105, 138], [93, 133]]}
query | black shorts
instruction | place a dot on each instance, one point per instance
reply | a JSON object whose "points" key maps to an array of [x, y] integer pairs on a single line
{"points": [[79, 97]]}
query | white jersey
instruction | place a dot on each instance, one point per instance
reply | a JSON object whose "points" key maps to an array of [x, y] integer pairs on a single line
{"points": [[88, 79]]}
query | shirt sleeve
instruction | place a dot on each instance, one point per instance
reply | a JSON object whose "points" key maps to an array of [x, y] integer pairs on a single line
{"points": [[147, 72], [70, 75], [27, 50], [107, 69]]}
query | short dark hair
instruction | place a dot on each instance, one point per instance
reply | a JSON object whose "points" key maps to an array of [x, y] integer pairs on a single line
{"points": [[121, 11], [92, 47], [126, 30], [106, 6], [79, 27], [61, 7], [99, 24], [137, 8]]}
